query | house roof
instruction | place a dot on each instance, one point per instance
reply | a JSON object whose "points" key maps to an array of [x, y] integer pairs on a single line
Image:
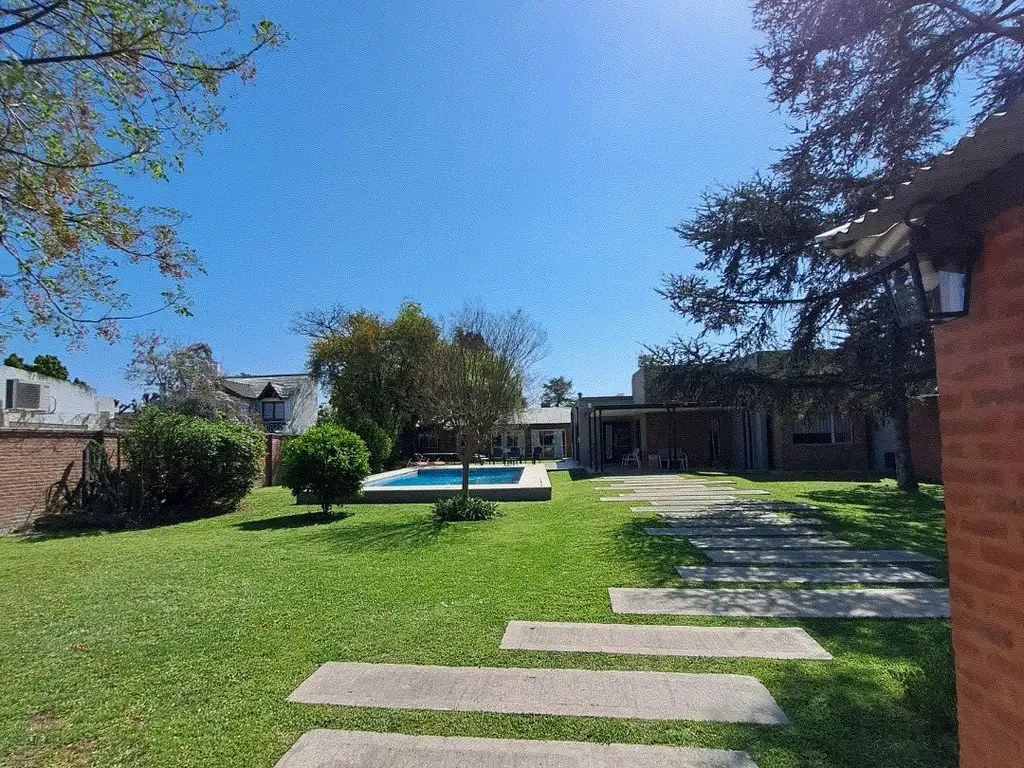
{"points": [[256, 387], [545, 416], [997, 140]]}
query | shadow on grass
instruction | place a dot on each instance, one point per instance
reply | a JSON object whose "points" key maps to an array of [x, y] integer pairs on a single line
{"points": [[655, 556], [388, 537], [301, 520], [895, 705]]}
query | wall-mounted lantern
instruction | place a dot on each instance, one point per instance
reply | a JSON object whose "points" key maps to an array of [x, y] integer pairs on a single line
{"points": [[929, 279]]}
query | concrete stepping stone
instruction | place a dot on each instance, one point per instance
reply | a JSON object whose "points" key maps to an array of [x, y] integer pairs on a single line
{"points": [[765, 542], [712, 514], [922, 603], [810, 556], [634, 639], [581, 692], [361, 749], [743, 528], [766, 574]]}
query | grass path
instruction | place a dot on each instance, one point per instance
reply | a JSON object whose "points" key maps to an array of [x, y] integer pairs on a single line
{"points": [[178, 646]]}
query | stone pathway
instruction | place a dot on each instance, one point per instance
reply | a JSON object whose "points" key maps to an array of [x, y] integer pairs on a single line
{"points": [[360, 749], [580, 692], [923, 603], [638, 639], [810, 556], [740, 528], [761, 574], [756, 542]]}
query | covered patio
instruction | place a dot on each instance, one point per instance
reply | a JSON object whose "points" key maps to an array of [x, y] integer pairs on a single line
{"points": [[671, 437]]}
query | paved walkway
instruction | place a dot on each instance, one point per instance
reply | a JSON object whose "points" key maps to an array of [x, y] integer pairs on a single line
{"points": [[581, 692], [361, 749], [639, 639], [923, 603], [766, 574]]}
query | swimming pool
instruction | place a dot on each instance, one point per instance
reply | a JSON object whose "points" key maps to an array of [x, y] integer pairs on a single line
{"points": [[425, 484], [451, 476]]}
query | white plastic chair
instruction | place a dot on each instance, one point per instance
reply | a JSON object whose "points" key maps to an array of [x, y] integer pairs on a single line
{"points": [[632, 458]]}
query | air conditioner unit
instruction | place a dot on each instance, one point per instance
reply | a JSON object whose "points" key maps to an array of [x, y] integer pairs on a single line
{"points": [[26, 396]]}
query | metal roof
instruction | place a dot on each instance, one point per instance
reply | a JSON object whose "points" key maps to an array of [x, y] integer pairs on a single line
{"points": [[545, 416], [998, 139]]}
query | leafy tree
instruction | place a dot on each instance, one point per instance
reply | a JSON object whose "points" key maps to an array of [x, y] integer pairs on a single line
{"points": [[869, 87], [190, 466], [478, 373], [185, 379], [373, 368], [49, 365], [326, 461], [16, 361], [556, 392], [88, 87]]}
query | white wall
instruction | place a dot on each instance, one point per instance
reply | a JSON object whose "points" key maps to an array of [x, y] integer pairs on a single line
{"points": [[68, 405]]}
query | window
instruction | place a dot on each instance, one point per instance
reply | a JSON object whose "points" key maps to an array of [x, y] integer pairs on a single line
{"points": [[428, 442], [272, 410], [822, 429]]}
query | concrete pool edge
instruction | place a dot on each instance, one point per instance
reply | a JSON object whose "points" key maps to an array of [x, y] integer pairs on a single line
{"points": [[533, 485]]}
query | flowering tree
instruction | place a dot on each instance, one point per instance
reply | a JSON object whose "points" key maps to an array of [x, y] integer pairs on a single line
{"points": [[88, 87]]}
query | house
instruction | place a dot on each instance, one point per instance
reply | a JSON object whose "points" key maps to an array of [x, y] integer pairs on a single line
{"points": [[549, 429], [677, 434], [33, 401], [285, 404], [960, 220]]}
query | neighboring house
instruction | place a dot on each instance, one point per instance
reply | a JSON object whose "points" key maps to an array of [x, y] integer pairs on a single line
{"points": [[284, 403], [607, 429], [549, 429], [32, 401]]}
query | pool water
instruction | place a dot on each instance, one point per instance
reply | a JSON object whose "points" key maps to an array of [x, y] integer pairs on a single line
{"points": [[453, 476]]}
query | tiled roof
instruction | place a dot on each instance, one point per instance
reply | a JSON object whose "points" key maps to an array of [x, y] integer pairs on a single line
{"points": [[545, 416], [251, 387]]}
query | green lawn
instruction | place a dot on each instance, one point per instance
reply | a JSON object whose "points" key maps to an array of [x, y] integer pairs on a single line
{"points": [[178, 646]]}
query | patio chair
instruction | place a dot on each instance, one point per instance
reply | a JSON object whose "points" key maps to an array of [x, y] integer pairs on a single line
{"points": [[538, 452], [515, 455], [665, 459], [632, 458]]}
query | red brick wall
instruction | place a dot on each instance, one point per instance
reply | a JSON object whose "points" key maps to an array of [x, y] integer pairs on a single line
{"points": [[31, 461], [925, 440], [844, 457], [981, 403]]}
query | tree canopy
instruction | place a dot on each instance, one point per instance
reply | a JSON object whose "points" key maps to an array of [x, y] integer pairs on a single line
{"points": [[44, 365], [182, 378], [87, 88], [373, 369], [556, 392], [479, 372], [869, 88]]}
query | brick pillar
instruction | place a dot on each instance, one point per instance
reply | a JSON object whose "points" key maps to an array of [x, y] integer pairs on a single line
{"points": [[981, 402]]}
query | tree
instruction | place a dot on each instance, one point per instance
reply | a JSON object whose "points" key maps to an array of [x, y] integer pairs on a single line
{"points": [[49, 365], [86, 88], [373, 368], [185, 379], [326, 461], [556, 392], [869, 87], [478, 372], [44, 365]]}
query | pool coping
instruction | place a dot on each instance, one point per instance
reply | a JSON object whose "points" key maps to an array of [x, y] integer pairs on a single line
{"points": [[533, 485]]}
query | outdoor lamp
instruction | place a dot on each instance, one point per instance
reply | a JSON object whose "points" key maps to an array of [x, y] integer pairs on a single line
{"points": [[929, 279]]}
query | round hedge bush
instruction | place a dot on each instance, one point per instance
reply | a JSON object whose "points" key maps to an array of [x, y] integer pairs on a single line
{"points": [[461, 509], [327, 462]]}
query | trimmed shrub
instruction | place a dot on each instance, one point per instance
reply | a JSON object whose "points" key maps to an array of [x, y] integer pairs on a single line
{"points": [[327, 462], [459, 509], [192, 467]]}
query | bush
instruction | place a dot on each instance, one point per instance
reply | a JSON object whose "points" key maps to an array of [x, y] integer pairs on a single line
{"points": [[461, 508], [191, 467], [327, 462]]}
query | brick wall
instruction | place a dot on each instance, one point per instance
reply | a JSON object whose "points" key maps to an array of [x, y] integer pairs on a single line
{"points": [[691, 431], [925, 440], [844, 457], [981, 403], [31, 461]]}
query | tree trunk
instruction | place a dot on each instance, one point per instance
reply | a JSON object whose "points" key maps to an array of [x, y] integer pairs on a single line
{"points": [[905, 477], [461, 444], [897, 409]]}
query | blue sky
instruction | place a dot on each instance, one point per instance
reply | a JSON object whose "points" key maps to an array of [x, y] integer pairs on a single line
{"points": [[515, 154]]}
